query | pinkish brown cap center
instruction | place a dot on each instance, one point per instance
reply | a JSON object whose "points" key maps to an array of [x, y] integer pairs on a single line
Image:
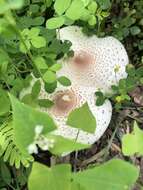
{"points": [[82, 60], [64, 103]]}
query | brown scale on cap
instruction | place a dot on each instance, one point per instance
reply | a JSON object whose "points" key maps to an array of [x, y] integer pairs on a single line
{"points": [[64, 103], [82, 60]]}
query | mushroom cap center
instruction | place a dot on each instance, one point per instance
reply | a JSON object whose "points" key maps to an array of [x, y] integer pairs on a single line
{"points": [[82, 60], [64, 103]]}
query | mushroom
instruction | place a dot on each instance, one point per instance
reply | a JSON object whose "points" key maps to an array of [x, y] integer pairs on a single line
{"points": [[67, 99], [97, 62]]}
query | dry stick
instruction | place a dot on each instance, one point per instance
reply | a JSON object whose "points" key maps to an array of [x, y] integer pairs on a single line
{"points": [[117, 124], [110, 143], [94, 157], [104, 152]]}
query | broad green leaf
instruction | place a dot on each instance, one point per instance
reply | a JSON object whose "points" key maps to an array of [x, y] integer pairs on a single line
{"points": [[76, 186], [76, 9], [25, 119], [82, 118], [54, 23], [49, 77], [64, 81], [40, 63], [69, 145], [38, 42], [61, 6], [113, 175], [133, 143], [4, 102], [43, 177]]}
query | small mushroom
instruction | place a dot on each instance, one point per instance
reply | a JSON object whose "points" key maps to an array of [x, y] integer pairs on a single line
{"points": [[97, 62], [67, 99]]}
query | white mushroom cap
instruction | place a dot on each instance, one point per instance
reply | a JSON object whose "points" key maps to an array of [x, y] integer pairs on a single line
{"points": [[98, 62], [102, 114]]}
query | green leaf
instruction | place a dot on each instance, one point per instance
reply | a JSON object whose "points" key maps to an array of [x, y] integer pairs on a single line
{"points": [[135, 30], [34, 32], [15, 4], [5, 173], [54, 23], [38, 42], [4, 60], [100, 98], [40, 63], [29, 100], [82, 118], [139, 71], [24, 48], [11, 4], [92, 20], [50, 87], [37, 21], [25, 119], [36, 89], [4, 102], [92, 7], [43, 177], [49, 77], [76, 186], [69, 145], [45, 103], [61, 6], [64, 81], [48, 3], [76, 9], [86, 2], [133, 143], [113, 175], [105, 4], [130, 69], [56, 67]]}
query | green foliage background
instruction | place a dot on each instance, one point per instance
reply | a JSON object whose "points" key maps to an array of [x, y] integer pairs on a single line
{"points": [[28, 44]]}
